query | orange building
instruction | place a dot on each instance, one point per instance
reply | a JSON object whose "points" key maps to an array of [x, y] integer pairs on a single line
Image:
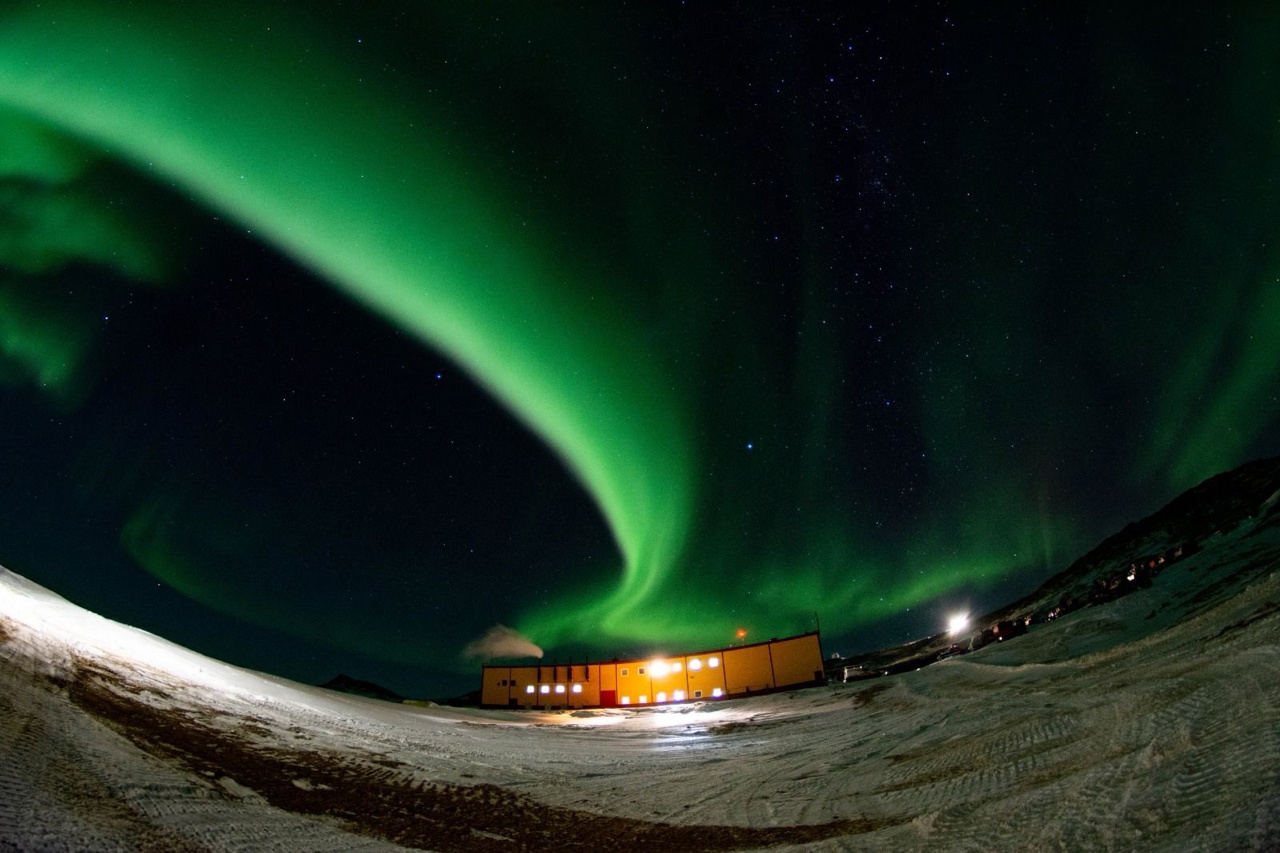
{"points": [[716, 674]]}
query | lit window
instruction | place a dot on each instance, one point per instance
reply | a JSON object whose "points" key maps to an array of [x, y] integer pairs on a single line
{"points": [[717, 692], [662, 697], [658, 668], [626, 700], [559, 688], [695, 665], [624, 670], [644, 699], [678, 697], [713, 662], [675, 666], [529, 689], [577, 688], [546, 688]]}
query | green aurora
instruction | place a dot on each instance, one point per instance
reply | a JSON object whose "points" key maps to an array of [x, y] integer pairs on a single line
{"points": [[783, 394]]}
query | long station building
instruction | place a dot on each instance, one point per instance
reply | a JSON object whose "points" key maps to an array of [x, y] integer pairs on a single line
{"points": [[716, 674]]}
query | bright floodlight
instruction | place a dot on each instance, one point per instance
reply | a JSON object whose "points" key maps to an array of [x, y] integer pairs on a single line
{"points": [[958, 623]]}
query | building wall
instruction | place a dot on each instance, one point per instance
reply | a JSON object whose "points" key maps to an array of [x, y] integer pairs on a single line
{"points": [[748, 669], [797, 660], [569, 686], [493, 685], [715, 674], [706, 675], [634, 686]]}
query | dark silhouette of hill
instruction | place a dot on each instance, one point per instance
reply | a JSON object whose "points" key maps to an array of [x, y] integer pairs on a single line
{"points": [[346, 684], [1214, 507], [1123, 562]]}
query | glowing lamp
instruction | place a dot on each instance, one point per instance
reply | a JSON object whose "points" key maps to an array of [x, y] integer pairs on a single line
{"points": [[958, 623]]}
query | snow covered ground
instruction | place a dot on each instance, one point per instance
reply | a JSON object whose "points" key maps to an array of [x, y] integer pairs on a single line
{"points": [[1150, 723]]}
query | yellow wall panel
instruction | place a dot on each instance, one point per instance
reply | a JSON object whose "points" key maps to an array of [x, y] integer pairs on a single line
{"points": [[797, 660], [706, 675], [747, 669], [492, 691]]}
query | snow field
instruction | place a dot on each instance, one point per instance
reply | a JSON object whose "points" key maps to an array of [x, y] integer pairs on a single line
{"points": [[1150, 723]]}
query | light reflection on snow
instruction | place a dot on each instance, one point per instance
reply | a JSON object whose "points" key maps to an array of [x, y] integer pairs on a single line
{"points": [[1061, 715]]}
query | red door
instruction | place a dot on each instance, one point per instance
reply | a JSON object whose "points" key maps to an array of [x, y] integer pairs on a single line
{"points": [[608, 698]]}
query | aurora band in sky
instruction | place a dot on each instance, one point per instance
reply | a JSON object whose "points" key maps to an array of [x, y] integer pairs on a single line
{"points": [[384, 201], [380, 208]]}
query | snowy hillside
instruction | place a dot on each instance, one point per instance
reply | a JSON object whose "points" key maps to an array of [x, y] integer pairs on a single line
{"points": [[1148, 723]]}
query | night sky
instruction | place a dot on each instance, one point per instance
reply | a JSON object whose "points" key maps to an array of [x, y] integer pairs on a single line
{"points": [[333, 335]]}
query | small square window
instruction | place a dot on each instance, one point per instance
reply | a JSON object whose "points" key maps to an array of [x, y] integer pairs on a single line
{"points": [[625, 671], [713, 662], [577, 688], [716, 692], [644, 700], [559, 688], [675, 666], [697, 694], [640, 671], [529, 689], [545, 688], [626, 700]]}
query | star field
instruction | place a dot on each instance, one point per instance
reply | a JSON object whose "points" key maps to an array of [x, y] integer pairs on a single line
{"points": [[328, 340]]}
